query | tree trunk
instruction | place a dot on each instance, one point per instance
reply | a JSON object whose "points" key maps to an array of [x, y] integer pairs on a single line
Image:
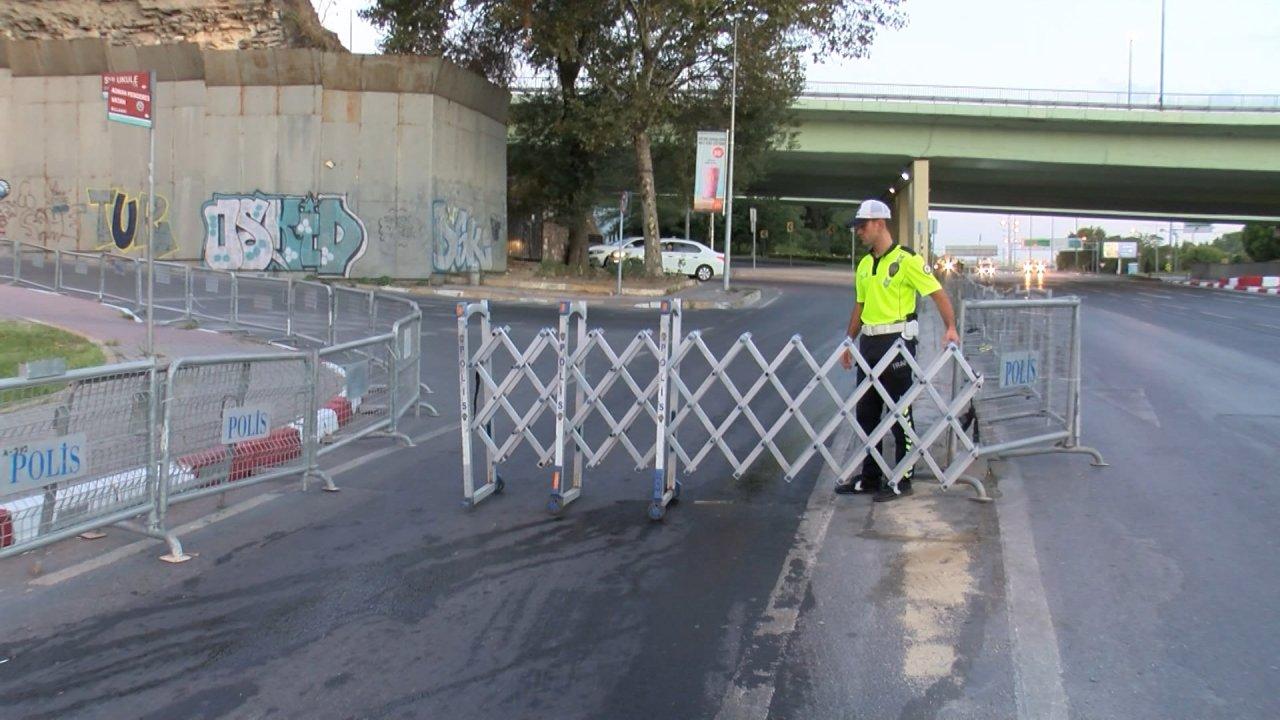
{"points": [[578, 241], [649, 204]]}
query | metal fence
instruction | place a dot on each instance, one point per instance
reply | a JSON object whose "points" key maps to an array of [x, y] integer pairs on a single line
{"points": [[98, 446], [670, 400], [1029, 351]]}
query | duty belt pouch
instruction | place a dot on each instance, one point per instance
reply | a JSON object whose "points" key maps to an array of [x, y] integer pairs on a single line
{"points": [[912, 330]]}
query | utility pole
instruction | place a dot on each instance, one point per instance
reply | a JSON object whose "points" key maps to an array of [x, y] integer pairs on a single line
{"points": [[728, 204]]}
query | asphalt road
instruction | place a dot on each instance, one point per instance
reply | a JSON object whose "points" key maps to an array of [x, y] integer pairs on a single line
{"points": [[1143, 590]]}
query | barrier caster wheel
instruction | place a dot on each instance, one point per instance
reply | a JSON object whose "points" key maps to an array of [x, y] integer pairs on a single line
{"points": [[675, 492], [555, 505], [498, 484], [656, 511]]}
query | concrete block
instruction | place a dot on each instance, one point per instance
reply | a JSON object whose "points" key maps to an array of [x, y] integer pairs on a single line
{"points": [[341, 72], [172, 62], [62, 89], [298, 155], [340, 106], [297, 66], [337, 147], [377, 155], [299, 100], [259, 100], [188, 93], [379, 110], [415, 109], [222, 157], [220, 67], [257, 67], [223, 101], [259, 152]]}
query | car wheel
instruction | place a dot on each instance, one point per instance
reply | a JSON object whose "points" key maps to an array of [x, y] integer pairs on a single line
{"points": [[703, 273]]}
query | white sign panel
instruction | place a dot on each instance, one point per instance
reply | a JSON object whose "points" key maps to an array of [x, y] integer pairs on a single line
{"points": [[1112, 249], [248, 422], [1018, 369], [975, 251], [41, 462]]}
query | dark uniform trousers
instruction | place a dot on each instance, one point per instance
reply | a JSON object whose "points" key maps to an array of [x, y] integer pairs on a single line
{"points": [[896, 379]]}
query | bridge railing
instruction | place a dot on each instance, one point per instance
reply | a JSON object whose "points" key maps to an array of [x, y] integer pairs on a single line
{"points": [[1046, 97]]}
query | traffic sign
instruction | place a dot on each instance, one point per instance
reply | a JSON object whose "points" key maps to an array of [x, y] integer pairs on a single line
{"points": [[752, 213], [791, 227], [128, 97]]}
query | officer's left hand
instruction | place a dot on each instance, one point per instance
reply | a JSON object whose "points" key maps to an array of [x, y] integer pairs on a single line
{"points": [[950, 336]]}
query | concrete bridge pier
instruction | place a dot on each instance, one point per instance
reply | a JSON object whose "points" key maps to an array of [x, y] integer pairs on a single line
{"points": [[911, 210]]}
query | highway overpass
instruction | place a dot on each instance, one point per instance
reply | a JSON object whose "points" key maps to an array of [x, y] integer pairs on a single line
{"points": [[1198, 157]]}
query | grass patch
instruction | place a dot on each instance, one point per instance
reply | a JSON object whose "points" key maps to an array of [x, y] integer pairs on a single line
{"points": [[24, 341]]}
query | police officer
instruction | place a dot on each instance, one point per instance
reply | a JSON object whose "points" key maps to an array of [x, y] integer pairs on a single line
{"points": [[887, 282]]}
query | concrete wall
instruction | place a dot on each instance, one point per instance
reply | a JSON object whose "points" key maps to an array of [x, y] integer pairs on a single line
{"points": [[296, 160]]}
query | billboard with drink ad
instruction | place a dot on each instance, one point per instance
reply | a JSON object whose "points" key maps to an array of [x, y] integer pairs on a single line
{"points": [[709, 177]]}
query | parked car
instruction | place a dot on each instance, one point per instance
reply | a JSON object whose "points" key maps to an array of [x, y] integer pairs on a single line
{"points": [[679, 256], [599, 255], [686, 257]]}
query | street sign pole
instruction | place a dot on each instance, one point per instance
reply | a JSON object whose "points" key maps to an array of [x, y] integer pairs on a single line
{"points": [[151, 223], [753, 238]]}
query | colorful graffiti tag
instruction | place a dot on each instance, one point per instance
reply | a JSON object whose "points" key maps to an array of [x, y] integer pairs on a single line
{"points": [[122, 221], [314, 233], [461, 242]]}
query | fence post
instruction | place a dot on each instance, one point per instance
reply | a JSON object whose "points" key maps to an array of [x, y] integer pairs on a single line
{"points": [[311, 428], [235, 302], [288, 303], [137, 285], [333, 315], [57, 270], [464, 390], [17, 262], [102, 276], [189, 288], [1073, 388]]}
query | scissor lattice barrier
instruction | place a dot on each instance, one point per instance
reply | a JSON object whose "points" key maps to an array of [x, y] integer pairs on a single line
{"points": [[673, 400]]}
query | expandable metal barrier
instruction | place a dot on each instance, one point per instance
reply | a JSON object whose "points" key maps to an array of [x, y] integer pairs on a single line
{"points": [[674, 403]]}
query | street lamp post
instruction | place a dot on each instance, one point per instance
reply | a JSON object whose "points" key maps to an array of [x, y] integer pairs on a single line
{"points": [[1162, 4], [733, 117]]}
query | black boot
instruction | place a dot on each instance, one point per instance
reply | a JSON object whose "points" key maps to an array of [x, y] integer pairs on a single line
{"points": [[859, 485], [887, 494]]}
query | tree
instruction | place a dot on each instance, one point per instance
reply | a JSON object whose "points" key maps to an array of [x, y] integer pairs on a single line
{"points": [[1191, 254], [663, 54], [561, 128], [655, 61], [1261, 242]]}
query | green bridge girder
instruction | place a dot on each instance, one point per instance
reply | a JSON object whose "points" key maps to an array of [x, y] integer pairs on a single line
{"points": [[1218, 165]]}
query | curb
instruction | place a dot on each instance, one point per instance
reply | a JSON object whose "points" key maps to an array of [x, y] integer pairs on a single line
{"points": [[1220, 285], [636, 300]]}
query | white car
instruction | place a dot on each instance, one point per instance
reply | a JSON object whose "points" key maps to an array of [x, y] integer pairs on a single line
{"points": [[679, 257], [604, 253], [686, 257]]}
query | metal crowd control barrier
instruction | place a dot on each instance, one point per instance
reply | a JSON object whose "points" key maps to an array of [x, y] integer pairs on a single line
{"points": [[1030, 352], [693, 403], [95, 447]]}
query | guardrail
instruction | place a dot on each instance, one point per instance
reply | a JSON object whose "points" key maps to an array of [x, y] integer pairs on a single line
{"points": [[99, 446], [1044, 97], [1026, 97]]}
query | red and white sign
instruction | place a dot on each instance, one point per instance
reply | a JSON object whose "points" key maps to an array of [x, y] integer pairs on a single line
{"points": [[128, 97]]}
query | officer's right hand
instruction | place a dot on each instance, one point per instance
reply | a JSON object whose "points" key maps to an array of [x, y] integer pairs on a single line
{"points": [[846, 359]]}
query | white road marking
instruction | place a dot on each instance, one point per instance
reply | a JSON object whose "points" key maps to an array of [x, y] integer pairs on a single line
{"points": [[1156, 295], [1037, 665], [1268, 325], [1216, 315], [120, 553], [749, 694]]}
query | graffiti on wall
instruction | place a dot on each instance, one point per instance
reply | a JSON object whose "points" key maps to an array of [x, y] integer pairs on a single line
{"points": [[51, 222], [314, 232], [122, 221], [461, 241]]}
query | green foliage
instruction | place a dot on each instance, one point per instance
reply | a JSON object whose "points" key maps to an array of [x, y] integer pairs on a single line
{"points": [[1261, 242], [1190, 254], [25, 341]]}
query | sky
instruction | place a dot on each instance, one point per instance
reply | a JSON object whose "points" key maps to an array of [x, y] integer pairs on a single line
{"points": [[1223, 46]]}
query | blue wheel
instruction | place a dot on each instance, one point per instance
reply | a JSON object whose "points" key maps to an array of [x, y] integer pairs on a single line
{"points": [[498, 484], [675, 493], [555, 505], [656, 511]]}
